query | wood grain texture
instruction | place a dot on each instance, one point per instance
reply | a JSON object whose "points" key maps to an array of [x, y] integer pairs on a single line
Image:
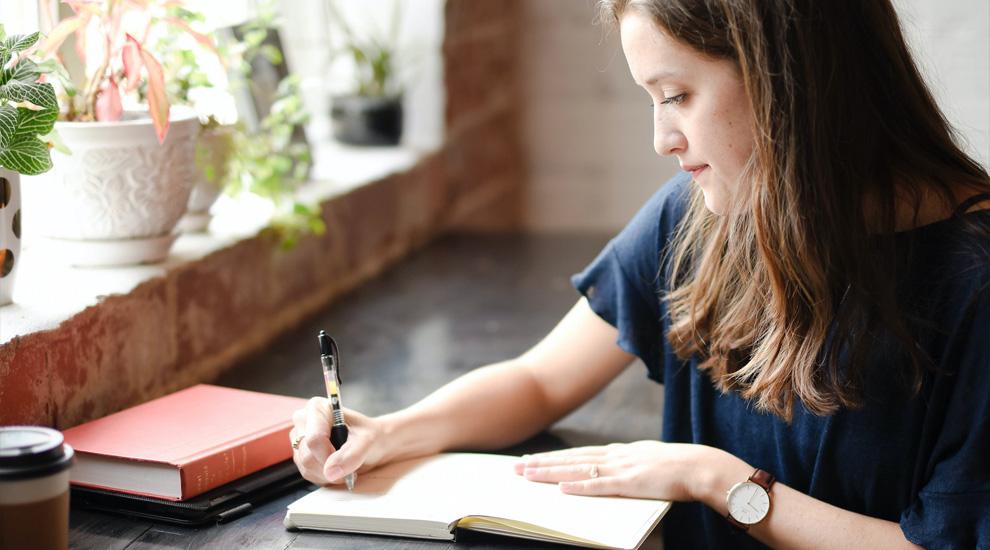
{"points": [[463, 302]]}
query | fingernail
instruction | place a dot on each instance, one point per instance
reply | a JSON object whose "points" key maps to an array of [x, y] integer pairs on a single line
{"points": [[334, 473]]}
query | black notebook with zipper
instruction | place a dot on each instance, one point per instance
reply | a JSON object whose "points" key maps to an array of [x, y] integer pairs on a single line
{"points": [[220, 505]]}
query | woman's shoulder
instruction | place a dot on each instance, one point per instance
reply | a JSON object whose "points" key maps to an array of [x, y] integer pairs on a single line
{"points": [[957, 250]]}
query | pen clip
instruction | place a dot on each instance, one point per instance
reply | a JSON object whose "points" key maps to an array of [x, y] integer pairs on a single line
{"points": [[328, 347], [336, 360]]}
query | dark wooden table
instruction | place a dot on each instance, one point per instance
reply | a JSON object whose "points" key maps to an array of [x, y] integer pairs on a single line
{"points": [[463, 302]]}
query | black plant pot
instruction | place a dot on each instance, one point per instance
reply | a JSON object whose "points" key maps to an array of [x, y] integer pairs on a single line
{"points": [[360, 120]]}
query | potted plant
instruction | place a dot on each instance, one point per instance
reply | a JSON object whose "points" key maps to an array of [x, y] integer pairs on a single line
{"points": [[195, 75], [270, 157], [28, 109], [267, 159], [269, 164], [372, 113], [117, 198]]}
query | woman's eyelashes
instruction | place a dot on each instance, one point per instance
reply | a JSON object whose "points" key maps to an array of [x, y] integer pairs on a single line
{"points": [[672, 100]]}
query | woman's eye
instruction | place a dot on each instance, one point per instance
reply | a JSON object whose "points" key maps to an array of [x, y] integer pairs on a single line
{"points": [[674, 100]]}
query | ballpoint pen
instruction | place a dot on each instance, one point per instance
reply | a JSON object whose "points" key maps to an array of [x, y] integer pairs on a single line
{"points": [[330, 358]]}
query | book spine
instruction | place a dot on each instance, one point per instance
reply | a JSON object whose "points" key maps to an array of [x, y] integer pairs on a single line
{"points": [[233, 462]]}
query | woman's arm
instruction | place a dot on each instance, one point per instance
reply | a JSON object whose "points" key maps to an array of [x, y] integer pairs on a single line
{"points": [[797, 520], [688, 472], [489, 408], [503, 404]]}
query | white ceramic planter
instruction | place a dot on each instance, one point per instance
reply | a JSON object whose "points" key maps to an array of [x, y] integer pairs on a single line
{"points": [[10, 232], [213, 148], [117, 198]]}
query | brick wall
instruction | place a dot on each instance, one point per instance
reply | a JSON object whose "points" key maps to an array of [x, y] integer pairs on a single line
{"points": [[484, 157], [203, 316]]}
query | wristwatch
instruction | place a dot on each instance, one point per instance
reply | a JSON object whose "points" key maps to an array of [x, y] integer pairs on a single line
{"points": [[749, 501]]}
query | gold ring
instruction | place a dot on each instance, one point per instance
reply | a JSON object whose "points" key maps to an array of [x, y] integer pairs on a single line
{"points": [[594, 471], [297, 441]]}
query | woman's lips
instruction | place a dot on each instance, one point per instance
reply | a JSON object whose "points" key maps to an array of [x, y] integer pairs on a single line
{"points": [[695, 170]]}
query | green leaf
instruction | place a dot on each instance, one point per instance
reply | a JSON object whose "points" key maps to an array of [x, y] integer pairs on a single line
{"points": [[35, 123], [29, 157], [50, 66], [25, 71], [41, 94], [55, 140], [20, 148], [19, 42], [8, 124]]}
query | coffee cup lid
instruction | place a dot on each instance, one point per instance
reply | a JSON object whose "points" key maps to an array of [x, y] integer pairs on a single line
{"points": [[32, 451]]}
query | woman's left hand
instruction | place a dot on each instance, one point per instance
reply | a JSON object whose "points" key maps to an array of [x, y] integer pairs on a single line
{"points": [[644, 469]]}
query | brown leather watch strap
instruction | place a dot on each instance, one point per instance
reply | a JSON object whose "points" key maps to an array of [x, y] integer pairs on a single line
{"points": [[761, 478], [739, 526]]}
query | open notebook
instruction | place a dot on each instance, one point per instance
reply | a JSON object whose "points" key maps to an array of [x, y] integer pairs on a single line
{"points": [[431, 497]]}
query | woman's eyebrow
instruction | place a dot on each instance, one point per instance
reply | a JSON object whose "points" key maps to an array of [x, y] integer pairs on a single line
{"points": [[660, 75]]}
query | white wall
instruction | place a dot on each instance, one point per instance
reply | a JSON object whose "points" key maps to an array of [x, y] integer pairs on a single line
{"points": [[588, 128], [951, 42], [419, 63]]}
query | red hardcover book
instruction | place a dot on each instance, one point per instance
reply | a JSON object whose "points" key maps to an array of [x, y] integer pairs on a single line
{"points": [[183, 444]]}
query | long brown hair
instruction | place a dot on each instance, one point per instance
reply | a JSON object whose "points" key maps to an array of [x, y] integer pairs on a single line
{"points": [[845, 132]]}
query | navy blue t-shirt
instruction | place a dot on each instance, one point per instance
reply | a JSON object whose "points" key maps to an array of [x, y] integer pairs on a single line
{"points": [[922, 461]]}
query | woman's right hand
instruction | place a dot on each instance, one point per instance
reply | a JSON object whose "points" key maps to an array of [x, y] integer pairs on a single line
{"points": [[317, 460]]}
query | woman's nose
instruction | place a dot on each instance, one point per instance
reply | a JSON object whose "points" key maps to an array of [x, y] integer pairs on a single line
{"points": [[668, 140]]}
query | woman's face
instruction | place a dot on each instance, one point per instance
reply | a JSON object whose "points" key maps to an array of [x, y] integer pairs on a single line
{"points": [[700, 110]]}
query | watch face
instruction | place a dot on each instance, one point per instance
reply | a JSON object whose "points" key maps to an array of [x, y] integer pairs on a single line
{"points": [[748, 503]]}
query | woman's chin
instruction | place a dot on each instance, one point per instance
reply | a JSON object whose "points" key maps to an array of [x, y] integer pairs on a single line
{"points": [[714, 202]]}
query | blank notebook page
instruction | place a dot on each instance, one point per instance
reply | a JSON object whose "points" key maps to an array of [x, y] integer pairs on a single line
{"points": [[448, 487]]}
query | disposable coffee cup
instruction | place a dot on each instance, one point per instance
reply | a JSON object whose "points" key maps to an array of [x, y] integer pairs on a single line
{"points": [[34, 488]]}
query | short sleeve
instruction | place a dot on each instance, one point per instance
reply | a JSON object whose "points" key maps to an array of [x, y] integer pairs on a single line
{"points": [[952, 509], [623, 284]]}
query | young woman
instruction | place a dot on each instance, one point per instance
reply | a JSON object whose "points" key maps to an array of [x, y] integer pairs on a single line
{"points": [[812, 292]]}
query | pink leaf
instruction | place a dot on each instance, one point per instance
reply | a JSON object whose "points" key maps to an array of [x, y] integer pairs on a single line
{"points": [[83, 5], [108, 107], [157, 100], [114, 34], [203, 39], [131, 57], [62, 31], [81, 44]]}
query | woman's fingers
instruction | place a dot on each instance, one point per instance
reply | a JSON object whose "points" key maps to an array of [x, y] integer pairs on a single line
{"points": [[569, 472], [578, 456], [316, 458], [346, 460], [313, 424], [594, 450], [318, 417], [599, 486]]}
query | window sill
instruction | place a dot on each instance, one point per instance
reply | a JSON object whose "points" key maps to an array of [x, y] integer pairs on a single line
{"points": [[48, 293]]}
